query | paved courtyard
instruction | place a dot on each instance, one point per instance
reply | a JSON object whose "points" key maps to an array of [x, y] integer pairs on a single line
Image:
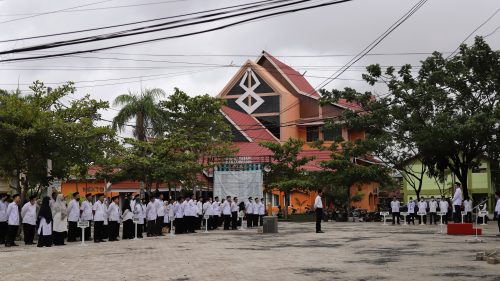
{"points": [[347, 251]]}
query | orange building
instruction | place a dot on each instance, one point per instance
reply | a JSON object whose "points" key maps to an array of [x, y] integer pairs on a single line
{"points": [[268, 100]]}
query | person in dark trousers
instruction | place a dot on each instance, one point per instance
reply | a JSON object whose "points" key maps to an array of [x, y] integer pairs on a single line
{"points": [[226, 212], [457, 204], [3, 217], [234, 213], [73, 217], [13, 221], [45, 224], [318, 206], [151, 215], [98, 211], [28, 214], [395, 209], [128, 224]]}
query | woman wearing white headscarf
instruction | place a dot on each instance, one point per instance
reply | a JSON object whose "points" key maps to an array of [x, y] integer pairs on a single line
{"points": [[60, 217]]}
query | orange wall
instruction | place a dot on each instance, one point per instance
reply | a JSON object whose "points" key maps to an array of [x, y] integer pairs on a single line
{"points": [[306, 198], [368, 202], [68, 188]]}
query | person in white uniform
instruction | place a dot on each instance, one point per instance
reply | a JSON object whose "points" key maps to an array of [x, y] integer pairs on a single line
{"points": [[3, 217], [45, 224], [249, 212], [318, 207], [199, 212], [28, 214], [256, 207], [215, 212], [226, 212], [457, 203], [395, 205], [411, 211], [234, 213], [128, 224], [60, 216], [73, 217], [139, 214], [190, 210], [12, 220], [151, 215], [86, 214], [433, 205], [262, 211], [468, 210], [443, 207], [422, 207], [99, 211], [114, 219], [179, 216], [160, 213]]}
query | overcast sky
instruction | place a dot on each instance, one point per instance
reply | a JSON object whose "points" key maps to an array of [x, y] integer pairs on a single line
{"points": [[440, 25]]}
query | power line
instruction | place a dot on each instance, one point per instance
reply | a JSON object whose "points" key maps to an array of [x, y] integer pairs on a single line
{"points": [[183, 35], [95, 9], [136, 22], [366, 50], [56, 11], [474, 31]]}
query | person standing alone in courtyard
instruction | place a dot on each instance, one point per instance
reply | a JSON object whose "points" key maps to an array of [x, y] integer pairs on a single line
{"points": [[457, 203], [395, 209], [318, 206]]}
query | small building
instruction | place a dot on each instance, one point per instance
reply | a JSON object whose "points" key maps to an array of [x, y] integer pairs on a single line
{"points": [[479, 184]]}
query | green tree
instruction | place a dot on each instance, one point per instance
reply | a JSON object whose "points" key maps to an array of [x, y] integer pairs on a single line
{"points": [[287, 172], [144, 108], [448, 112], [38, 126]]}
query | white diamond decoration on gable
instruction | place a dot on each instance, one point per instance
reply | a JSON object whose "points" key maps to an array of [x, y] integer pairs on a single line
{"points": [[245, 84]]}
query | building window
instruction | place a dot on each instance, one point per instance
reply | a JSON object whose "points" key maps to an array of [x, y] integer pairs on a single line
{"points": [[276, 200], [312, 134], [332, 133], [478, 170]]}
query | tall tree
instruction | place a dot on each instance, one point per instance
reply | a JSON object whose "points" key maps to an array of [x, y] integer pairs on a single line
{"points": [[448, 111], [287, 168], [144, 108], [38, 126]]}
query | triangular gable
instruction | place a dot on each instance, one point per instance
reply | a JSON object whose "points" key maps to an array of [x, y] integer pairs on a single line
{"points": [[248, 125], [292, 76]]}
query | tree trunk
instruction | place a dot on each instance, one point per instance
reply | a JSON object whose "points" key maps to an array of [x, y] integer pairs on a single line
{"points": [[464, 173]]}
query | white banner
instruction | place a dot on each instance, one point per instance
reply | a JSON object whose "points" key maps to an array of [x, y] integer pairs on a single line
{"points": [[242, 184]]}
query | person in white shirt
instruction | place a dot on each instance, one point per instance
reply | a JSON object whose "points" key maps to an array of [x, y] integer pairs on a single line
{"points": [[114, 219], [128, 224], [73, 217], [226, 212], [411, 211], [234, 213], [199, 213], [422, 207], [139, 214], [433, 205], [256, 208], [45, 225], [86, 214], [215, 213], [12, 220], [3, 217], [262, 211], [28, 214], [160, 213], [497, 210], [171, 214], [457, 203], [151, 215], [98, 211], [443, 207], [468, 210], [60, 217], [395, 210], [190, 210], [249, 212], [318, 207], [179, 216]]}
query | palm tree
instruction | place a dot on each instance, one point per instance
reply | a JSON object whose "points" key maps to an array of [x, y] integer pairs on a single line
{"points": [[144, 108]]}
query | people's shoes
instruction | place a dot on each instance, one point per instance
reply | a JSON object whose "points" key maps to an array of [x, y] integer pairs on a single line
{"points": [[320, 231], [97, 241], [498, 235], [7, 245], [14, 245]]}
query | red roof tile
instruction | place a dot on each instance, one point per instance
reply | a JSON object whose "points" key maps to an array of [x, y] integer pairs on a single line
{"points": [[251, 149], [349, 105], [295, 78], [320, 155], [248, 125]]}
